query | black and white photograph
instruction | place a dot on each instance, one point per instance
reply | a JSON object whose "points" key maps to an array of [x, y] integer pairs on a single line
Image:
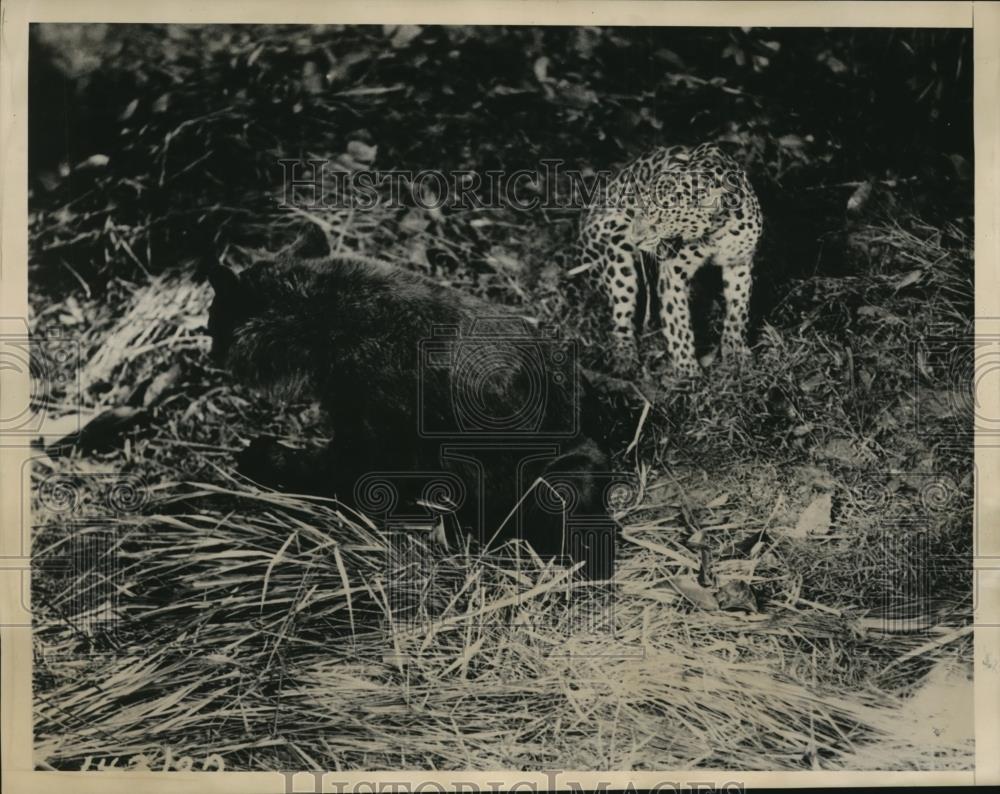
{"points": [[439, 397]]}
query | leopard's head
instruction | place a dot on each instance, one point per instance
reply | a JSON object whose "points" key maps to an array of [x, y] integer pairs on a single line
{"points": [[643, 233]]}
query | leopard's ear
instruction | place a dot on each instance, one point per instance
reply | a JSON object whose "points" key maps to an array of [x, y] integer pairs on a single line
{"points": [[223, 280]]}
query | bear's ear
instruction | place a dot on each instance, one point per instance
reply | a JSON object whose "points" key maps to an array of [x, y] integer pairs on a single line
{"points": [[223, 280]]}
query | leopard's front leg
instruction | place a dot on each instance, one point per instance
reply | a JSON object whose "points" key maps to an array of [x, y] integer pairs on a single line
{"points": [[736, 283], [620, 279], [676, 269], [734, 247]]}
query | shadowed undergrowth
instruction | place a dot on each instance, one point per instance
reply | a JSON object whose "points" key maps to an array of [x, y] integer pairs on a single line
{"points": [[794, 581]]}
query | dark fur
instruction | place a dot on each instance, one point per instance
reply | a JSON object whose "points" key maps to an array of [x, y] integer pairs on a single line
{"points": [[347, 332]]}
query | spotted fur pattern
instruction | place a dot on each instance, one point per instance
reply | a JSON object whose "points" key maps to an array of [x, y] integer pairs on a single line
{"points": [[686, 208]]}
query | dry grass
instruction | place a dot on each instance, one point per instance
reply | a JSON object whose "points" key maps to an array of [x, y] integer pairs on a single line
{"points": [[212, 621], [262, 632]]}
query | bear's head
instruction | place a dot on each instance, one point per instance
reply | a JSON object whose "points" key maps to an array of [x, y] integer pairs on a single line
{"points": [[258, 322], [230, 309]]}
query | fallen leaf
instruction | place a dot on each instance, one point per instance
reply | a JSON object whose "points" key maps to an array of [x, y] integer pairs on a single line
{"points": [[843, 451], [880, 313], [404, 34], [670, 57], [361, 151], [791, 142], [701, 597], [697, 540], [129, 110], [859, 198], [577, 96], [542, 69], [718, 501], [504, 260], [834, 64], [736, 53], [817, 476], [312, 78], [962, 168], [815, 519], [414, 221], [737, 595], [910, 278], [160, 385], [95, 161], [72, 308], [813, 382]]}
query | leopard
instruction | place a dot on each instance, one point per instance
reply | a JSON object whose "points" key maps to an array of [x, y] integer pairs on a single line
{"points": [[671, 211], [397, 364]]}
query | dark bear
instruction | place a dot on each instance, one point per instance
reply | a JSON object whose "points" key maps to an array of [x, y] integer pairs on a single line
{"points": [[454, 406]]}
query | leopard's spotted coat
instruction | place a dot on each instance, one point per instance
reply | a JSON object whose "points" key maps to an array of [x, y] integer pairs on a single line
{"points": [[687, 207]]}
